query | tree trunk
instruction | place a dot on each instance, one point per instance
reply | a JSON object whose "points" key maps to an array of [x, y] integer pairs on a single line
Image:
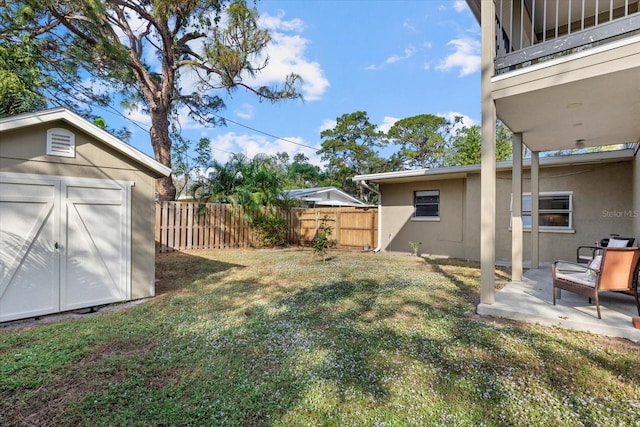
{"points": [[161, 143]]}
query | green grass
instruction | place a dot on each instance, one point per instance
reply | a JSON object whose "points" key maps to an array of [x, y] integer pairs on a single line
{"points": [[248, 338]]}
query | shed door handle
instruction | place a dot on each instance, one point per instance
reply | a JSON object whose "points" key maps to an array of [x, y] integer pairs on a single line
{"points": [[56, 246]]}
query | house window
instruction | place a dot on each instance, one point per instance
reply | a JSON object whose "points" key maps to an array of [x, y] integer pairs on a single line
{"points": [[427, 204], [555, 211]]}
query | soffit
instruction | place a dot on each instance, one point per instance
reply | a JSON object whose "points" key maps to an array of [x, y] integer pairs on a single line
{"points": [[593, 98]]}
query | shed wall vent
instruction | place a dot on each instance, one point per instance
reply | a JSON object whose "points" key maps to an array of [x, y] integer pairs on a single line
{"points": [[61, 143]]}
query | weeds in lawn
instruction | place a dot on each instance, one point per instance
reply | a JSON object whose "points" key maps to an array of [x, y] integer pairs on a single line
{"points": [[274, 338]]}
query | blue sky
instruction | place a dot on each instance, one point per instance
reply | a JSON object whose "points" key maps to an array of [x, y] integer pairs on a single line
{"points": [[390, 58]]}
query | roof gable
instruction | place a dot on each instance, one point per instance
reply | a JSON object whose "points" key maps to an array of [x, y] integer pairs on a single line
{"points": [[325, 195], [55, 114]]}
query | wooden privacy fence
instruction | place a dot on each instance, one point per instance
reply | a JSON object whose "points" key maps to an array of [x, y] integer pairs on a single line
{"points": [[191, 225], [351, 228]]}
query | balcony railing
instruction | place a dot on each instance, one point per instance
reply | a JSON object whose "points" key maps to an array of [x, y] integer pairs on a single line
{"points": [[532, 31]]}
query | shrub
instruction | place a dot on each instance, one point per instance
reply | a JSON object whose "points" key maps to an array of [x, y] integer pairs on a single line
{"points": [[270, 231], [321, 241]]}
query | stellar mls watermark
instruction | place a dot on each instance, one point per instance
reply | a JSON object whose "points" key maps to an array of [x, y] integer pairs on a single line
{"points": [[629, 213]]}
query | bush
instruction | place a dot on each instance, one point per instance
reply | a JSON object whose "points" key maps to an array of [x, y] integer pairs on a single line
{"points": [[321, 241], [270, 231]]}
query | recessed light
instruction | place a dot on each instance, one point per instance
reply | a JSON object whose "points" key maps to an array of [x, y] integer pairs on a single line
{"points": [[574, 105]]}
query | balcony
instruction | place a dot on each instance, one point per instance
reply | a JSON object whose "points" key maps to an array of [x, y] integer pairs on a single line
{"points": [[566, 71], [532, 31]]}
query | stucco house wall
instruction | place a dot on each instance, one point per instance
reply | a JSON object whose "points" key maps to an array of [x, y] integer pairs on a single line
{"points": [[445, 235], [600, 194], [601, 205]]}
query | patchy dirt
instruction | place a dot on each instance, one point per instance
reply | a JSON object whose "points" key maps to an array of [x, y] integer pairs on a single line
{"points": [[48, 405]]}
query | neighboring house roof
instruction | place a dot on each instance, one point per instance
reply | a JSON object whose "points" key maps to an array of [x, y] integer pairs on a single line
{"points": [[55, 114], [324, 196], [462, 171]]}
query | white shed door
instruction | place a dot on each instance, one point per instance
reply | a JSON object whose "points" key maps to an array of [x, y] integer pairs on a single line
{"points": [[29, 284], [65, 245], [94, 267]]}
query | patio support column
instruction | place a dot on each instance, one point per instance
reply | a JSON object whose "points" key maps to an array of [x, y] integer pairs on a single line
{"points": [[488, 158], [516, 209], [535, 219]]}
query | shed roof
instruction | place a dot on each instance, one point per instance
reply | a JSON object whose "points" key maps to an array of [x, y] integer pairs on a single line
{"points": [[60, 113]]}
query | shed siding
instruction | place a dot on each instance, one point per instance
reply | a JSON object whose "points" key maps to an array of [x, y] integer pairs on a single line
{"points": [[24, 151]]}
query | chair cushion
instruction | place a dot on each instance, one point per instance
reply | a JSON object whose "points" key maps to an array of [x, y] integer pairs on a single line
{"points": [[579, 278], [617, 243], [595, 264]]}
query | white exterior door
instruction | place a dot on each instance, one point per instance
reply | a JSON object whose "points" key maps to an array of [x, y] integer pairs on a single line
{"points": [[29, 261], [65, 244]]}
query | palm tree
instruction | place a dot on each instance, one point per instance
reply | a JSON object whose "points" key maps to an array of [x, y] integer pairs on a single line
{"points": [[254, 184]]}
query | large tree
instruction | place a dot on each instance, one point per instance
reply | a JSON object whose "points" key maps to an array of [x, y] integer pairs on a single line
{"points": [[466, 145], [350, 149], [422, 139], [302, 174], [20, 78], [161, 54]]}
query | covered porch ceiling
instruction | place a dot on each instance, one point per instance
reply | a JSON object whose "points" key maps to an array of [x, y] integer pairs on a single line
{"points": [[556, 110]]}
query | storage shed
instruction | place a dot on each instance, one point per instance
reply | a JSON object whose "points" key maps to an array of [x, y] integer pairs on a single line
{"points": [[76, 216]]}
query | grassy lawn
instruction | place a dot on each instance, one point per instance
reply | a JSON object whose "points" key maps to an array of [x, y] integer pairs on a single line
{"points": [[248, 338]]}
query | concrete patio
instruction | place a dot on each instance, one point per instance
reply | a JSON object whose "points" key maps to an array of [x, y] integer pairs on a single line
{"points": [[532, 301]]}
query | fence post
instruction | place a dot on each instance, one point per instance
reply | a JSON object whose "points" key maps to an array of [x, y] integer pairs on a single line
{"points": [[171, 225], [189, 241], [336, 226]]}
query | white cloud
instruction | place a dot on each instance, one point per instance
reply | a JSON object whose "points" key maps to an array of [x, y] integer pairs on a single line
{"points": [[245, 111], [387, 122], [328, 124], [408, 53], [137, 115], [274, 23], [251, 145], [451, 116], [286, 53], [466, 57], [141, 118], [460, 5], [409, 26], [427, 45]]}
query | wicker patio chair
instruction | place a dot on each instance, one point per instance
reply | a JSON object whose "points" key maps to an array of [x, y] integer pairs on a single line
{"points": [[617, 272], [584, 254]]}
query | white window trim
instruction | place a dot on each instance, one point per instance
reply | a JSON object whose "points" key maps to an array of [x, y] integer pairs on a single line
{"points": [[426, 218], [546, 229]]}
